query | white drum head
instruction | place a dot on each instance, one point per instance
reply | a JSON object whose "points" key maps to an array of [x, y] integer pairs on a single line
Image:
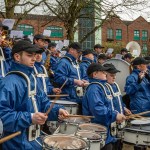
{"points": [[65, 142], [124, 68], [140, 122]]}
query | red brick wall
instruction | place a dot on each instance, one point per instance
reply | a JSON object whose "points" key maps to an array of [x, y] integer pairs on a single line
{"points": [[40, 23], [127, 30]]}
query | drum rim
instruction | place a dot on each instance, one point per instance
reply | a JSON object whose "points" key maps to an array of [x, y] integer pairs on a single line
{"points": [[131, 130], [87, 146], [98, 139], [70, 102]]}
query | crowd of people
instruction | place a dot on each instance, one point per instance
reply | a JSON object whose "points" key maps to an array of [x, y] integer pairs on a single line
{"points": [[31, 70]]}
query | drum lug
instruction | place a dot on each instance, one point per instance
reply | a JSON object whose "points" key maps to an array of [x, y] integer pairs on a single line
{"points": [[65, 126], [70, 109]]}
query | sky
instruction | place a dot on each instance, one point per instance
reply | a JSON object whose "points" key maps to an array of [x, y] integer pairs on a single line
{"points": [[120, 11]]}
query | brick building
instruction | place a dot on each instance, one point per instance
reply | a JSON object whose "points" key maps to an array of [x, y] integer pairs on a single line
{"points": [[117, 30], [113, 30], [34, 24]]}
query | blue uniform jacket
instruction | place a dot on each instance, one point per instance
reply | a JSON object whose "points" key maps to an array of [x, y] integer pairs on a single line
{"points": [[139, 93], [7, 52], [65, 70], [95, 103], [16, 108], [39, 79], [53, 62], [83, 67]]}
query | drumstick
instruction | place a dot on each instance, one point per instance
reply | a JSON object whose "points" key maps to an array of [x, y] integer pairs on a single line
{"points": [[143, 113], [61, 95], [133, 116], [63, 84], [51, 106], [9, 137], [80, 116], [56, 98], [138, 115]]}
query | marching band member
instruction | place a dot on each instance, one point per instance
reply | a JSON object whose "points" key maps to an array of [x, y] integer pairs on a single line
{"points": [[114, 88], [128, 57], [98, 49], [137, 86], [97, 103], [42, 77], [101, 58], [53, 58], [68, 69], [22, 103], [87, 59], [39, 40]]}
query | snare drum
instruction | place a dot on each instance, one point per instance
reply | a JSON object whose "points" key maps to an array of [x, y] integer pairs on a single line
{"points": [[71, 107], [142, 124], [64, 142], [93, 138], [136, 136], [99, 129], [70, 125]]}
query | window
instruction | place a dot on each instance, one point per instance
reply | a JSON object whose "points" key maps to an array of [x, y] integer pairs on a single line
{"points": [[118, 34], [144, 48], [27, 29], [56, 32], [110, 34], [136, 35], [144, 35]]}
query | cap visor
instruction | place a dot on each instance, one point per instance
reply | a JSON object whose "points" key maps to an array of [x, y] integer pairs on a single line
{"points": [[35, 50]]}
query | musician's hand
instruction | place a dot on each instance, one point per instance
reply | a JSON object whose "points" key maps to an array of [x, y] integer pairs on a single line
{"points": [[86, 83], [120, 118], [56, 90], [127, 111], [63, 114], [39, 118], [78, 82]]}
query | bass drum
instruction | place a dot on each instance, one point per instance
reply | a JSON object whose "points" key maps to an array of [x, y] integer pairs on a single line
{"points": [[124, 68]]}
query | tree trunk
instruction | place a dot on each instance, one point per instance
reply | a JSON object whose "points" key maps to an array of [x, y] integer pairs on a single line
{"points": [[10, 8]]}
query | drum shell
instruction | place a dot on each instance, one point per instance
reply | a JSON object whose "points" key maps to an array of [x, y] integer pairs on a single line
{"points": [[96, 143], [70, 126], [136, 136], [71, 107], [97, 128]]}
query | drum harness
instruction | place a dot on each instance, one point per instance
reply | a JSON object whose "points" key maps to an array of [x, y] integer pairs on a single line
{"points": [[43, 76], [113, 125], [2, 68], [2, 62], [117, 94], [79, 90], [34, 130]]}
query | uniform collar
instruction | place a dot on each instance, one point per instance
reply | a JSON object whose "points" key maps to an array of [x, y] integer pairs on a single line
{"points": [[71, 56], [38, 64], [20, 67], [84, 58], [97, 80]]}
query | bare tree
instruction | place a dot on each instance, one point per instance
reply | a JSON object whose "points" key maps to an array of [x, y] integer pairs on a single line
{"points": [[69, 11], [25, 6]]}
